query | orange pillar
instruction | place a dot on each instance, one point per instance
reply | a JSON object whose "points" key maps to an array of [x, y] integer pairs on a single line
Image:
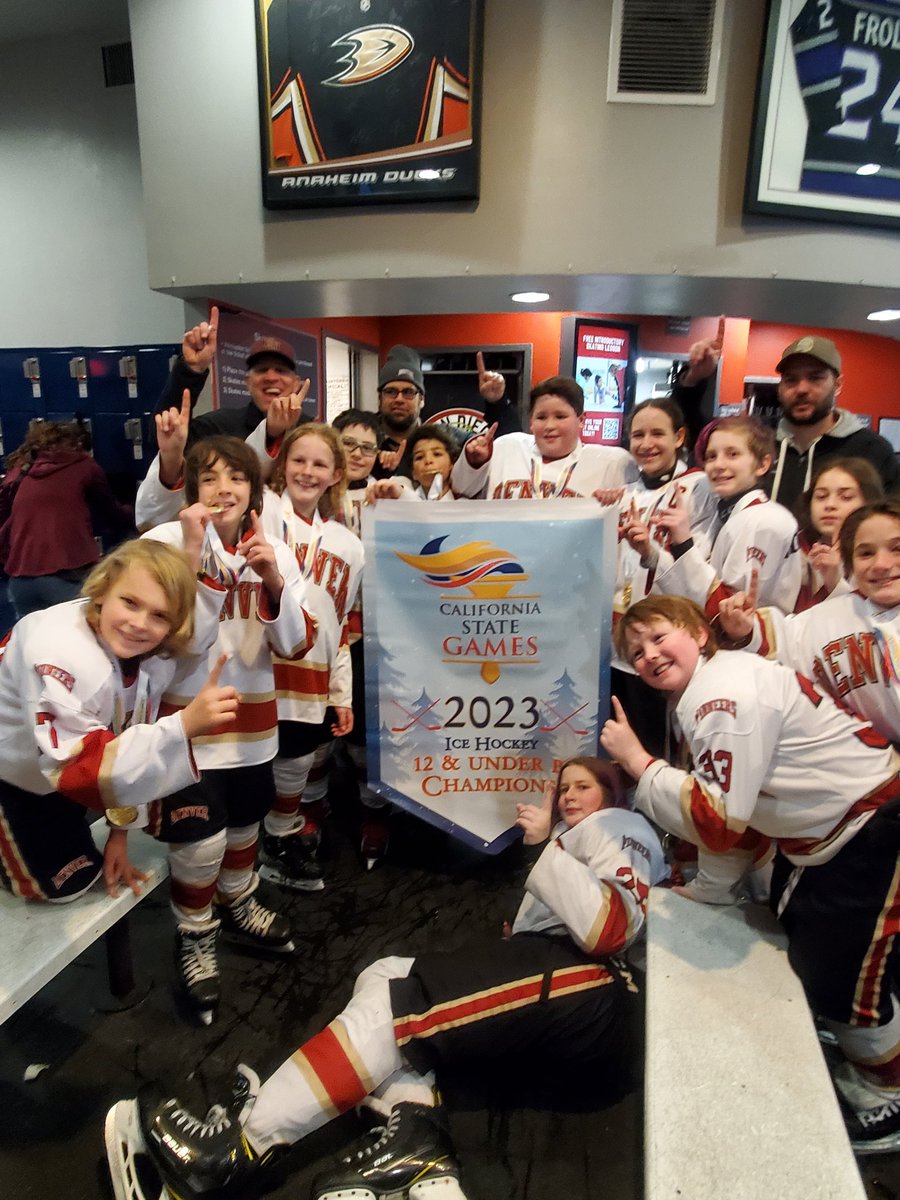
{"points": [[734, 360]]}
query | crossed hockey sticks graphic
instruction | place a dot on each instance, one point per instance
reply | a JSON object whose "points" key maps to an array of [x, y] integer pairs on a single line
{"points": [[563, 720], [416, 718]]}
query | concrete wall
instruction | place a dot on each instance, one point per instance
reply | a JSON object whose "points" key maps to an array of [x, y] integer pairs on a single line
{"points": [[71, 208], [570, 183]]}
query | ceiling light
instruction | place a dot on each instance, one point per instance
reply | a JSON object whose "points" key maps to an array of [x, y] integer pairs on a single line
{"points": [[885, 314], [868, 169], [529, 297]]}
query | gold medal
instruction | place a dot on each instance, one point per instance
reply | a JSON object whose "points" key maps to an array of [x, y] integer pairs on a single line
{"points": [[126, 815]]}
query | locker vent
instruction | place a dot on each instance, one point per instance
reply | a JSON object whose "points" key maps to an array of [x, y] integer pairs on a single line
{"points": [[118, 69]]}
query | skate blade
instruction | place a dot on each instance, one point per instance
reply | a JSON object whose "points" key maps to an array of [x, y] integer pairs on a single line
{"points": [[206, 1015], [295, 885], [124, 1141]]}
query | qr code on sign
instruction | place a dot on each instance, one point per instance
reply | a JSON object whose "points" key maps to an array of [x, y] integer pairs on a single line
{"points": [[610, 429]]}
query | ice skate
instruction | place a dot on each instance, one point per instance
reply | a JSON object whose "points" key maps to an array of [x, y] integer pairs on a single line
{"points": [[871, 1113], [251, 922], [410, 1159], [291, 860], [195, 958], [167, 1152]]}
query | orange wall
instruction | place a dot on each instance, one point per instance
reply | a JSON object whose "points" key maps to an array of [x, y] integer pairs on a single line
{"points": [[871, 362]]}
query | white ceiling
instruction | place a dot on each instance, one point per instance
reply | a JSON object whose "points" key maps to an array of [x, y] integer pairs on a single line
{"points": [[21, 20]]}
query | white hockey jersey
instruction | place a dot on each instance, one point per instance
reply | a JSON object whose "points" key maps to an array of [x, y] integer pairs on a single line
{"points": [[330, 558], [250, 632], [591, 882], [634, 579], [770, 755], [516, 471], [69, 723], [155, 503], [849, 647], [756, 534]]}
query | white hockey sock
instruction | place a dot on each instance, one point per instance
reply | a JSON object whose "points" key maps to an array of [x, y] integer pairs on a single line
{"points": [[237, 871], [193, 869]]}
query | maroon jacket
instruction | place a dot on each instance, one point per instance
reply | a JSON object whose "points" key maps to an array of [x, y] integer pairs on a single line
{"points": [[53, 513]]}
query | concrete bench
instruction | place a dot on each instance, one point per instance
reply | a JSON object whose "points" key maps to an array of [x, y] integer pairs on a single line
{"points": [[738, 1099], [38, 940]]}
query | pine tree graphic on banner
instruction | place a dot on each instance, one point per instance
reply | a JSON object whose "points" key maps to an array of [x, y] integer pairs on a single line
{"points": [[577, 735]]}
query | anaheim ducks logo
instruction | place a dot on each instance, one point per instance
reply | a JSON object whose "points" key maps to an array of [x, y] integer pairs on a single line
{"points": [[372, 51]]}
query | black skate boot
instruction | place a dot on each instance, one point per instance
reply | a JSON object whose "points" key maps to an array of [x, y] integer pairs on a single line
{"points": [[292, 860], [248, 920], [195, 958], [196, 1159], [411, 1159]]}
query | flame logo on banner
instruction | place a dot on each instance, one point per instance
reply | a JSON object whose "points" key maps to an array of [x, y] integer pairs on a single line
{"points": [[372, 51], [485, 570]]}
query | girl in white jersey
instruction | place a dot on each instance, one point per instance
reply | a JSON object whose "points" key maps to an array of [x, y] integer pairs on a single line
{"points": [[550, 461], [656, 434], [749, 533], [314, 693], [838, 488], [550, 996], [850, 643], [80, 727], [772, 757]]}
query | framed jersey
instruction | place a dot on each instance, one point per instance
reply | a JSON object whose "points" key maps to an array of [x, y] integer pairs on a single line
{"points": [[826, 136], [368, 101]]}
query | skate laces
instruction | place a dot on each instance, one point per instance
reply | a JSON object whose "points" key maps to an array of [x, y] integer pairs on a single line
{"points": [[250, 916], [198, 957], [380, 1137], [214, 1123]]}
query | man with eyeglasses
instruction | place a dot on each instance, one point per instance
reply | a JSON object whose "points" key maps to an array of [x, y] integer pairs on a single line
{"points": [[401, 395]]}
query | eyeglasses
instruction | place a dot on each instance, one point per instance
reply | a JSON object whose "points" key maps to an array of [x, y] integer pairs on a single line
{"points": [[408, 393], [366, 449]]}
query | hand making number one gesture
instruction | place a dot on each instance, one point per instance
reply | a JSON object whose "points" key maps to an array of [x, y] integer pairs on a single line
{"points": [[536, 819]]}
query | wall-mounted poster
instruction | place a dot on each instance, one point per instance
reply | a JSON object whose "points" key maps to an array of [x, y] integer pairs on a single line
{"points": [[368, 102], [236, 334], [604, 360], [826, 137]]}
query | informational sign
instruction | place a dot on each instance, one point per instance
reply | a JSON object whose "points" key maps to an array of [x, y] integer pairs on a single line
{"points": [[368, 104], [237, 333], [825, 130], [487, 629], [604, 366]]}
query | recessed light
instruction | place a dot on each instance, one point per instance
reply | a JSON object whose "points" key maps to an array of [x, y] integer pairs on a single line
{"points": [[868, 169], [885, 314], [529, 297]]}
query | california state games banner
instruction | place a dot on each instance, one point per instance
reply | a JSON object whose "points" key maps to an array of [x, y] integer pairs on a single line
{"points": [[487, 627]]}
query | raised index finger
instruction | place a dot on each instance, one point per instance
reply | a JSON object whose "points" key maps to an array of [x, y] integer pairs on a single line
{"points": [[479, 362], [720, 334], [753, 592], [186, 405], [216, 673]]}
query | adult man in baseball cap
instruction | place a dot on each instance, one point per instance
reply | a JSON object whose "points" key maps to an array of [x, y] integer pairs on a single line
{"points": [[812, 428], [271, 374]]}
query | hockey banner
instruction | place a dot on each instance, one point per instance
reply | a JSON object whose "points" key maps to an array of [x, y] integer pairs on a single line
{"points": [[827, 122], [368, 103], [487, 627]]}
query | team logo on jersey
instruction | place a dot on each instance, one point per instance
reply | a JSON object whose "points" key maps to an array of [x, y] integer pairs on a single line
{"points": [[57, 673], [725, 706], [372, 51]]}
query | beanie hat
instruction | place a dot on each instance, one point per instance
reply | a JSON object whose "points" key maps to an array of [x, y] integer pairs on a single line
{"points": [[402, 363]]}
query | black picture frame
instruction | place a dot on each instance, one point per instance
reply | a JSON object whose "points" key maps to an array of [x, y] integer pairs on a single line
{"points": [[808, 143], [359, 113]]}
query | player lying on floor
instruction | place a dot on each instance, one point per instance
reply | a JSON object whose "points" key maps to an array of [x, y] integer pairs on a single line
{"points": [[774, 757], [550, 993]]}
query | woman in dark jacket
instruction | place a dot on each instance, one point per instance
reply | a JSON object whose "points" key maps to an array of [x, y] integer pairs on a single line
{"points": [[57, 493]]}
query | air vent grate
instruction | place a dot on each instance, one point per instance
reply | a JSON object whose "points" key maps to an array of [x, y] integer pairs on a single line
{"points": [[664, 51], [118, 69]]}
